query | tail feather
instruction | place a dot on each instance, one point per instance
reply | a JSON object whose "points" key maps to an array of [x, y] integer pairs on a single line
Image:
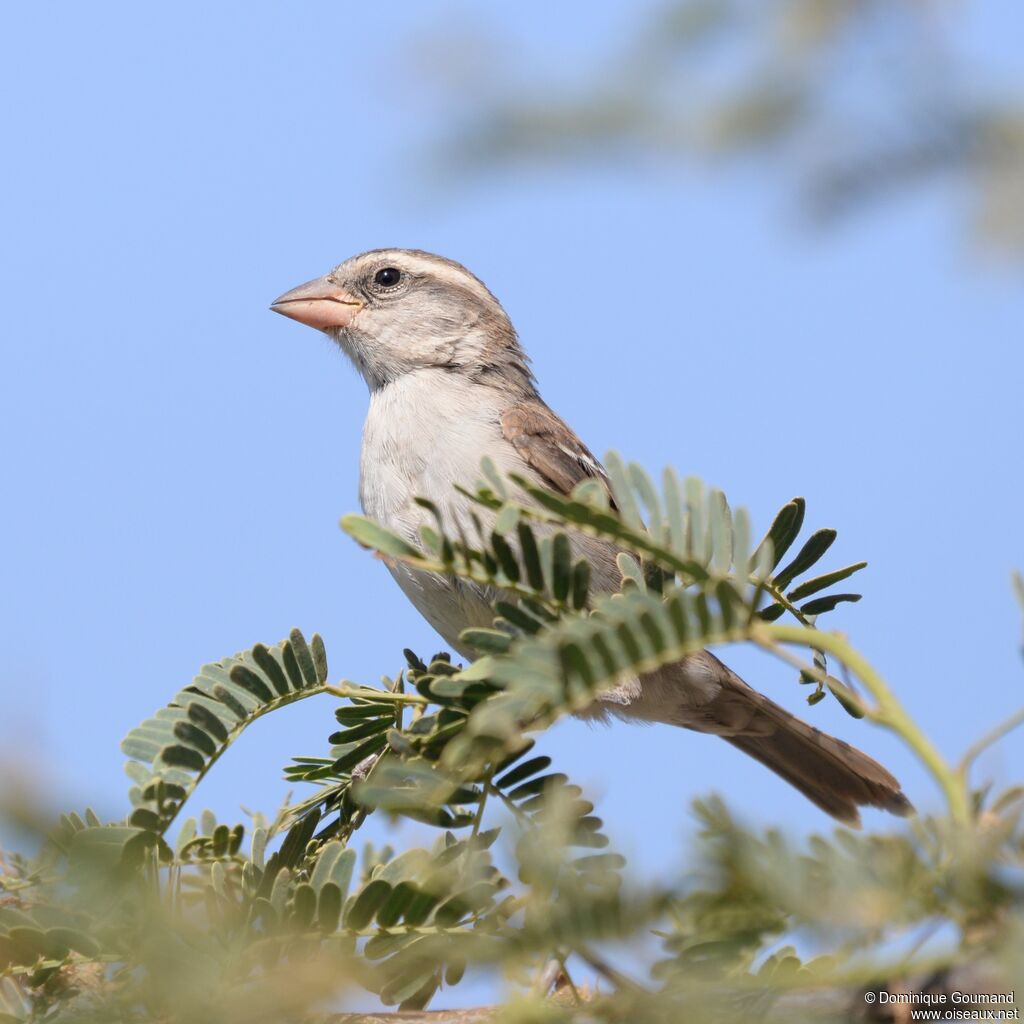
{"points": [[831, 773], [703, 694]]}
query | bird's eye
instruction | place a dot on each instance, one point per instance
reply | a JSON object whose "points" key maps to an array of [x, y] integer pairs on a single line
{"points": [[388, 277]]}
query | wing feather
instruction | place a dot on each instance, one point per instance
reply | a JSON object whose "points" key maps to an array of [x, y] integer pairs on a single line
{"points": [[549, 447]]}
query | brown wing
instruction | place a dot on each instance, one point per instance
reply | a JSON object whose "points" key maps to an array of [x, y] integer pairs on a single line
{"points": [[549, 447]]}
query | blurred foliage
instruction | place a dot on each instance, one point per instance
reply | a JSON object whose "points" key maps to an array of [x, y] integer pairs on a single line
{"points": [[155, 918], [855, 99]]}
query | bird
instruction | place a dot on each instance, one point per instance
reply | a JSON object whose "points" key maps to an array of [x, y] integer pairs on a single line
{"points": [[449, 384]]}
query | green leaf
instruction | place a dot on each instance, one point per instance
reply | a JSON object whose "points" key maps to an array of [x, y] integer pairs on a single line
{"points": [[363, 908], [592, 492], [809, 587], [531, 556], [185, 835], [825, 604], [506, 520], [741, 542], [341, 871], [580, 584], [279, 891], [420, 908], [600, 862], [293, 849], [622, 491], [395, 905], [142, 817], [319, 652], [644, 488], [291, 665], [817, 544], [259, 847], [371, 534], [326, 860], [699, 535], [221, 840], [329, 908], [538, 785], [491, 641], [218, 879], [399, 744], [517, 616], [852, 708], [358, 712], [629, 569], [506, 556], [206, 720], [493, 477], [411, 991], [523, 771], [358, 732], [348, 761], [561, 567], [182, 757], [248, 680], [304, 906], [230, 701], [721, 532], [135, 745], [193, 736], [674, 509], [271, 669], [304, 657], [784, 530]]}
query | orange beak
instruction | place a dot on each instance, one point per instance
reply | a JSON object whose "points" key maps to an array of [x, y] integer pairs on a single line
{"points": [[319, 303]]}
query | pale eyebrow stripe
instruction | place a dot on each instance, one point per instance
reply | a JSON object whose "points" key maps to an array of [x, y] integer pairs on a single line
{"points": [[442, 270]]}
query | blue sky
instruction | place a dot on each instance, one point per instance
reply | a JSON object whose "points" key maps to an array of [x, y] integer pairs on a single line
{"points": [[177, 456]]}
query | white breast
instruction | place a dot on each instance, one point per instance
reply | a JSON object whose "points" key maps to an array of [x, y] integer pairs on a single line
{"points": [[425, 432]]}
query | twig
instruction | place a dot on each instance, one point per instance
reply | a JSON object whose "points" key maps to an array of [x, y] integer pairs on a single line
{"points": [[605, 969], [568, 979], [986, 741], [816, 674], [888, 710]]}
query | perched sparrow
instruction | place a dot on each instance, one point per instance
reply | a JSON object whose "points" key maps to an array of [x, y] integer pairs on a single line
{"points": [[449, 384]]}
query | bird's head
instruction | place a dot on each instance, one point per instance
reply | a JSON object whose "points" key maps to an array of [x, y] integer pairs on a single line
{"points": [[395, 311]]}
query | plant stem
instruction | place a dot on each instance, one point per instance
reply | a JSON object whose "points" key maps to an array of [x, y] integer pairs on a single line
{"points": [[888, 710], [780, 598], [821, 677], [612, 974], [986, 741], [346, 690], [479, 816], [522, 817], [342, 690]]}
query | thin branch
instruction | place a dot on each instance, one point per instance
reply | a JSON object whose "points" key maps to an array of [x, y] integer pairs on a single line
{"points": [[816, 674], [986, 741], [568, 979], [605, 969], [888, 711]]}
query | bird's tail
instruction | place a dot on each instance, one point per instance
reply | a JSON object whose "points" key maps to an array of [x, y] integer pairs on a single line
{"points": [[702, 694], [828, 771], [837, 777]]}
